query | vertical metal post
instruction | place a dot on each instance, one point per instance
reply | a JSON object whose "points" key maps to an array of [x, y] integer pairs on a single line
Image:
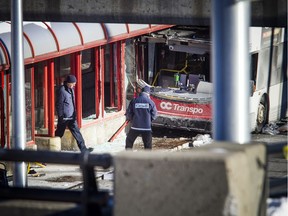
{"points": [[230, 70], [18, 91]]}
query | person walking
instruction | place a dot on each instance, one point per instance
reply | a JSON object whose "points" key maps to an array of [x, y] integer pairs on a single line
{"points": [[66, 111], [141, 112]]}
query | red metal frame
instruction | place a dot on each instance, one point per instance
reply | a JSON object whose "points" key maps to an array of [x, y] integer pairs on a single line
{"points": [[30, 44], [7, 66], [97, 81], [2, 113], [105, 31], [32, 104], [119, 77], [78, 92], [79, 32], [8, 93], [54, 36], [123, 101], [51, 95], [45, 94]]}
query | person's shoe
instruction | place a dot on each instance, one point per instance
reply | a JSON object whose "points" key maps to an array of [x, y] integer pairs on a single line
{"points": [[90, 149], [87, 149]]}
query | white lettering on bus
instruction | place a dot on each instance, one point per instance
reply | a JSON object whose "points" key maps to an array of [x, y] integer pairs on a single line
{"points": [[166, 105], [177, 107]]}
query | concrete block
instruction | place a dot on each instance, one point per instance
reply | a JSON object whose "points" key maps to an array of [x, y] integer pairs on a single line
{"points": [[256, 155], [68, 142], [48, 143], [55, 144], [211, 181]]}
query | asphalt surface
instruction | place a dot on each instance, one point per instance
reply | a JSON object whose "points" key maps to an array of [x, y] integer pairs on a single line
{"points": [[70, 177], [64, 176]]}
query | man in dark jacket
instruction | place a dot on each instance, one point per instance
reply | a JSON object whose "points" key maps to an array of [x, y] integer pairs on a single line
{"points": [[65, 107], [141, 112]]}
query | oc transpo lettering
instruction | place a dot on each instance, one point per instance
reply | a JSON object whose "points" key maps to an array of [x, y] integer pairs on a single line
{"points": [[177, 107], [166, 105]]}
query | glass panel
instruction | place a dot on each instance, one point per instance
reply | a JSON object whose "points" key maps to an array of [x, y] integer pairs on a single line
{"points": [[276, 72], [110, 79], [130, 65], [254, 67], [28, 101], [2, 113], [39, 98], [62, 69], [88, 84], [172, 63], [107, 59], [116, 71]]}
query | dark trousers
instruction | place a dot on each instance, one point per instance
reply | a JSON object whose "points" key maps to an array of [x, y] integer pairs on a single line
{"points": [[133, 134], [73, 127]]}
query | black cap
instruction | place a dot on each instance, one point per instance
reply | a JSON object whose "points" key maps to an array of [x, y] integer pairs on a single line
{"points": [[71, 79], [146, 89]]}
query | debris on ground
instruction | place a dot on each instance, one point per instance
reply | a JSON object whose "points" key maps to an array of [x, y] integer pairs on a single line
{"points": [[275, 128], [201, 139], [271, 129], [283, 128], [33, 173]]}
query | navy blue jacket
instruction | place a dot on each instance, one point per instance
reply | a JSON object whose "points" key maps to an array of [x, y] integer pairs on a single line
{"points": [[141, 112], [65, 105]]}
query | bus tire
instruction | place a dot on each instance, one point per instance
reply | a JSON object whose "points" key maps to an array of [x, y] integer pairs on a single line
{"points": [[262, 114]]}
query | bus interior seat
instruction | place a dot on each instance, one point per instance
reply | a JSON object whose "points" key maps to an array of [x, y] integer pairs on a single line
{"points": [[183, 80], [194, 79]]}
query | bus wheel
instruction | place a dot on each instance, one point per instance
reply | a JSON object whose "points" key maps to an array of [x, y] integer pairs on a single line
{"points": [[262, 115]]}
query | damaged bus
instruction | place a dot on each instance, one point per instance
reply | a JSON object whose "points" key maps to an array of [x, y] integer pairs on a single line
{"points": [[176, 64]]}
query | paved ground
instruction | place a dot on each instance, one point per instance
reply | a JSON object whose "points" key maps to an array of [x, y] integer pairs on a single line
{"points": [[67, 177], [64, 176]]}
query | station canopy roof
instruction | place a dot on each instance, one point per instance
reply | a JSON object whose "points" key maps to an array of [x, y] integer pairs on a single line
{"points": [[46, 40]]}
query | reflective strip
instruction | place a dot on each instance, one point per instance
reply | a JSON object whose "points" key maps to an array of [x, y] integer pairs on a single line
{"points": [[141, 105], [142, 129]]}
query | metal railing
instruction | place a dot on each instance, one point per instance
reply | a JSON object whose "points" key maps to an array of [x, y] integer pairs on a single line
{"points": [[90, 201]]}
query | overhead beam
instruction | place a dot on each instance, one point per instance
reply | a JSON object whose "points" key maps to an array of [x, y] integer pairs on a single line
{"points": [[271, 13]]}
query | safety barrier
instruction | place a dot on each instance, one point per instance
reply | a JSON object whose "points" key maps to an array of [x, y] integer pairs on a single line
{"points": [[90, 200]]}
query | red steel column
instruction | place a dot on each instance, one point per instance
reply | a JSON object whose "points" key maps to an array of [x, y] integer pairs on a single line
{"points": [[78, 93], [51, 96]]}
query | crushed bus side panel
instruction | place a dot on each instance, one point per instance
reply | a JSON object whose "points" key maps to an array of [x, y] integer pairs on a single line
{"points": [[177, 68]]}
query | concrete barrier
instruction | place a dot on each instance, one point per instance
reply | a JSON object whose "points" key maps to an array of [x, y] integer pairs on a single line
{"points": [[48, 143], [220, 179]]}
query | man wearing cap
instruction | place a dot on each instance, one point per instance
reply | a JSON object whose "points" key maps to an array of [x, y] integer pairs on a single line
{"points": [[141, 112], [65, 107]]}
